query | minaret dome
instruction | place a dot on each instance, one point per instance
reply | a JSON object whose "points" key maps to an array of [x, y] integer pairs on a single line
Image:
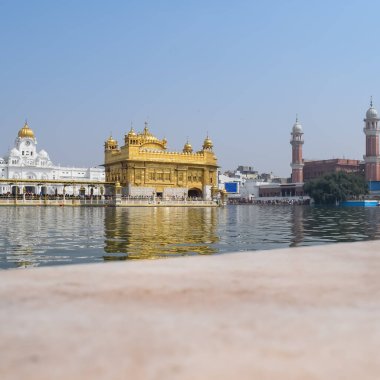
{"points": [[371, 112]]}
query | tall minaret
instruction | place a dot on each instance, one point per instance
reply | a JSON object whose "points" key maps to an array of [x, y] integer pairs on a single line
{"points": [[297, 160], [372, 154]]}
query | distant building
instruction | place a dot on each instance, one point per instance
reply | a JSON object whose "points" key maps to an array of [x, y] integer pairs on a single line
{"points": [[24, 162], [281, 190], [231, 183], [270, 177], [242, 182], [144, 167], [317, 168], [247, 172]]}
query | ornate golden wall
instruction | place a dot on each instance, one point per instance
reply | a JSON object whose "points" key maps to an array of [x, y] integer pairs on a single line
{"points": [[144, 164]]}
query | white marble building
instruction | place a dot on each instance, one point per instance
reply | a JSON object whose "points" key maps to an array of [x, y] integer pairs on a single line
{"points": [[24, 162]]}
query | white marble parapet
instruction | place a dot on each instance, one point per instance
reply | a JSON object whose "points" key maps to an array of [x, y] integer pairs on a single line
{"points": [[297, 313]]}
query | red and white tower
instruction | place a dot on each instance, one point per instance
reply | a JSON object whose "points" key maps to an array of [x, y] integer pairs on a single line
{"points": [[372, 153], [297, 160]]}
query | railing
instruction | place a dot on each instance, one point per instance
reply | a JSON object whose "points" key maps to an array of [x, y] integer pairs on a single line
{"points": [[97, 201], [166, 202], [53, 201]]}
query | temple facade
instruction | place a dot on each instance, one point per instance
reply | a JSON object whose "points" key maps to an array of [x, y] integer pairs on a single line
{"points": [[144, 167]]}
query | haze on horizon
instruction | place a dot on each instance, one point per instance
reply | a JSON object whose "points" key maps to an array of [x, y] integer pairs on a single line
{"points": [[239, 71]]}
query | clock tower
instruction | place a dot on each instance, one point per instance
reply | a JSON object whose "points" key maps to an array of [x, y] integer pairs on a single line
{"points": [[26, 144]]}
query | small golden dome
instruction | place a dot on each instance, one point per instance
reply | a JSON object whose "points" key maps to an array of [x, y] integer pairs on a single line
{"points": [[111, 140], [110, 143], [187, 147], [207, 144], [131, 133], [25, 131]]}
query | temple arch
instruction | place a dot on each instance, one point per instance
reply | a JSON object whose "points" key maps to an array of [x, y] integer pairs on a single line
{"points": [[194, 193]]}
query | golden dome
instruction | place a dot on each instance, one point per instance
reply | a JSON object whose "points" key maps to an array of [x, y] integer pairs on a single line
{"points": [[187, 148], [131, 133], [146, 135], [111, 140], [207, 144], [25, 131], [110, 144]]}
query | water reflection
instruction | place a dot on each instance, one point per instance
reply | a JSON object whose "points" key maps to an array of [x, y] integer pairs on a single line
{"points": [[328, 224], [297, 222], [38, 236], [136, 233]]}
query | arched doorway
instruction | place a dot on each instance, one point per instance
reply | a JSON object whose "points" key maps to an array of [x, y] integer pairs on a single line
{"points": [[194, 193], [30, 189], [15, 190]]}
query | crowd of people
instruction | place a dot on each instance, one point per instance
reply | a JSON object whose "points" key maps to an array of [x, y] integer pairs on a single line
{"points": [[280, 201]]}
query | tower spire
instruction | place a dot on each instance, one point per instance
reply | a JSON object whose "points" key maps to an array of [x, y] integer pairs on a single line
{"points": [[297, 158], [372, 136]]}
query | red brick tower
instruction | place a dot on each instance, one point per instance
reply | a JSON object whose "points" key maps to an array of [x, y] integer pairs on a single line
{"points": [[372, 153], [297, 160]]}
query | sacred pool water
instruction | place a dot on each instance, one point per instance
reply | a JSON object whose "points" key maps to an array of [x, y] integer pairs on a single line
{"points": [[40, 236]]}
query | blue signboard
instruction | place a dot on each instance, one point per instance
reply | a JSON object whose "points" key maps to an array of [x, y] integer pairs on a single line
{"points": [[231, 187], [374, 186]]}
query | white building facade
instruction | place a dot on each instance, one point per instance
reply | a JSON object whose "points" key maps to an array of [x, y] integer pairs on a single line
{"points": [[23, 161]]}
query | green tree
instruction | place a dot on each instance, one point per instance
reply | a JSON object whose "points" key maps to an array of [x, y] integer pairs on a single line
{"points": [[336, 187]]}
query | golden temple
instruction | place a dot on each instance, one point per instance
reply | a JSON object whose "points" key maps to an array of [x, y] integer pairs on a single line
{"points": [[144, 167]]}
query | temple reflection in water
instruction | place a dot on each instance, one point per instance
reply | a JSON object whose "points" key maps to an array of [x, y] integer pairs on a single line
{"points": [[297, 223], [141, 233]]}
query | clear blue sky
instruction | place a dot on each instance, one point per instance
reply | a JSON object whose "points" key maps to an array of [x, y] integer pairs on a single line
{"points": [[239, 70]]}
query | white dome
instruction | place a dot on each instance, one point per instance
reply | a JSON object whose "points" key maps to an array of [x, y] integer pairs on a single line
{"points": [[14, 153], [297, 127], [371, 113], [43, 154]]}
